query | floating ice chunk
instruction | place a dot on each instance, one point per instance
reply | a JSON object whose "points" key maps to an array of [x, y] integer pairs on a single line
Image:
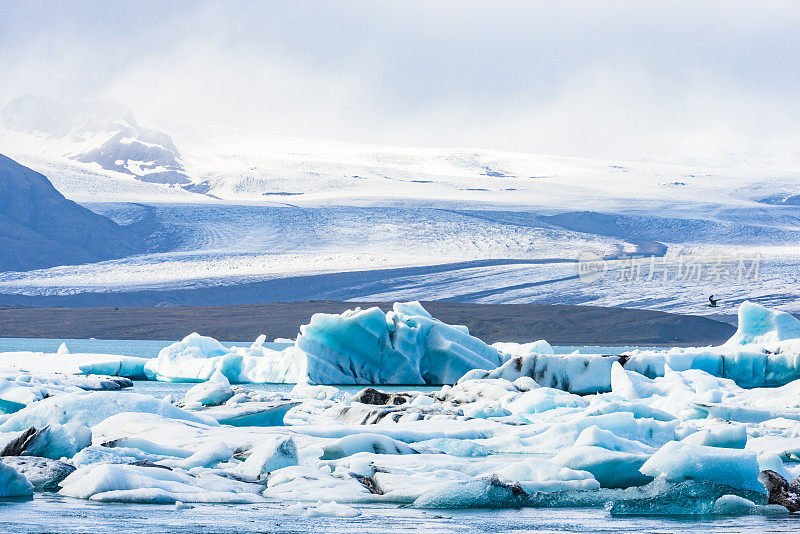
{"points": [[771, 461], [57, 441], [423, 400], [576, 373], [91, 408], [411, 308], [735, 505], [251, 413], [525, 383], [541, 475], [195, 346], [113, 455], [612, 469], [12, 483], [725, 435], [198, 357], [480, 390], [301, 483], [148, 447], [212, 393], [563, 434], [74, 363], [323, 509], [605, 405], [632, 385], [313, 392], [543, 399], [463, 448], [259, 342], [179, 505], [368, 346], [195, 357], [484, 409], [18, 391], [677, 461], [374, 443], [480, 493], [62, 349], [131, 483], [273, 454], [510, 350], [762, 326], [208, 455], [684, 498], [741, 414], [45, 474], [597, 437]]}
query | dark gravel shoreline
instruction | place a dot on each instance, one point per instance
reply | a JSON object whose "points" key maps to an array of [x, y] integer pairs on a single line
{"points": [[559, 324]]}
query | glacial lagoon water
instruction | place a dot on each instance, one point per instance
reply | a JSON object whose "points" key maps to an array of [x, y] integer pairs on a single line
{"points": [[49, 512]]}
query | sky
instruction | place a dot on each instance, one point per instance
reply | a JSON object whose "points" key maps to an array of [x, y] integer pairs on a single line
{"points": [[578, 78]]}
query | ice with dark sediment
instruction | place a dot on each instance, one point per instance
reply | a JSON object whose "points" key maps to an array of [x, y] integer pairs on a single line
{"points": [[520, 427]]}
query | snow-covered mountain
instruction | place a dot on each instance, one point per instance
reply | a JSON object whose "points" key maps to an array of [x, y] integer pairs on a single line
{"points": [[104, 133]]}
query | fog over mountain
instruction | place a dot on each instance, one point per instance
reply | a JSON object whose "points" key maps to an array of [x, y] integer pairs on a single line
{"points": [[616, 79], [108, 132]]}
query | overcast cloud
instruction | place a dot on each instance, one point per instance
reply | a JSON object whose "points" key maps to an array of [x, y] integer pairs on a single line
{"points": [[583, 78]]}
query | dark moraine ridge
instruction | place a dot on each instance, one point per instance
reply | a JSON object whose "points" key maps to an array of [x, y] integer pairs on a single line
{"points": [[559, 324]]}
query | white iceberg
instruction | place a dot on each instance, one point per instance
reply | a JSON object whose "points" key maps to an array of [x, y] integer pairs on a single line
{"points": [[91, 408], [66, 363], [131, 483], [273, 454], [211, 393], [677, 461], [404, 346]]}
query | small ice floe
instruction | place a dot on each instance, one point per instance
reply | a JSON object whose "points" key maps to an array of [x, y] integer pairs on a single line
{"points": [[133, 483], [250, 413], [310, 391], [323, 509], [64, 362], [91, 408], [214, 392], [735, 505], [272, 454], [52, 441], [43, 473], [12, 483]]}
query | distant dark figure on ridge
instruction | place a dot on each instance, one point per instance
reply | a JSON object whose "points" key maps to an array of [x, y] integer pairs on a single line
{"points": [[713, 302]]}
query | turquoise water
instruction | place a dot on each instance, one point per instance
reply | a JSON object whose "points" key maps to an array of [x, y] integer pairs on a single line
{"points": [[52, 513], [145, 348], [148, 348]]}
